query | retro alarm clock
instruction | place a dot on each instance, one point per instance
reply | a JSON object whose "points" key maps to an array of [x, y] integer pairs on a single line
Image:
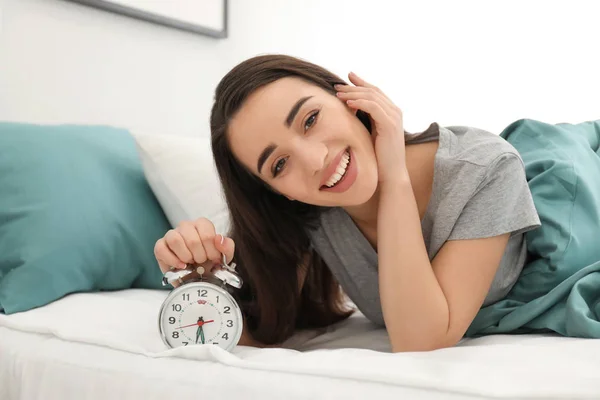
{"points": [[201, 311]]}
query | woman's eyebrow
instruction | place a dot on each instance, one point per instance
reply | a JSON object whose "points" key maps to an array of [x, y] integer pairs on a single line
{"points": [[264, 155], [294, 110]]}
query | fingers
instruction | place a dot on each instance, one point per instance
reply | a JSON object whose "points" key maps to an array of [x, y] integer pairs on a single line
{"points": [[176, 244], [371, 107], [165, 257], [358, 81], [206, 233], [225, 246], [360, 89], [361, 84], [192, 242], [368, 94]]}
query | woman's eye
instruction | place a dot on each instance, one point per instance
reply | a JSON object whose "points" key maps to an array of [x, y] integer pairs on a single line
{"points": [[278, 167], [311, 120]]}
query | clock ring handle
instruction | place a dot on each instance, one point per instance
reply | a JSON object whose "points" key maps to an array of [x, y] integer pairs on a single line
{"points": [[177, 275]]}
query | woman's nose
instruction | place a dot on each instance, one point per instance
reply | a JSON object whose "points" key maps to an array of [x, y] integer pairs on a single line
{"points": [[312, 156]]}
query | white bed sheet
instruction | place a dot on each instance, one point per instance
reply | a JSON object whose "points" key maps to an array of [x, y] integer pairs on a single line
{"points": [[106, 345]]}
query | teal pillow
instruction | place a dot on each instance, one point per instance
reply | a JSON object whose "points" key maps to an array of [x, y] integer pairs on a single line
{"points": [[76, 214]]}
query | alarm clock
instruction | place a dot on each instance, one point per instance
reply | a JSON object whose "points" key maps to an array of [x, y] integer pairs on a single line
{"points": [[201, 311]]}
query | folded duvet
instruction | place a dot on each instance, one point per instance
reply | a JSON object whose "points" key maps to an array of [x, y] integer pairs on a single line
{"points": [[559, 287]]}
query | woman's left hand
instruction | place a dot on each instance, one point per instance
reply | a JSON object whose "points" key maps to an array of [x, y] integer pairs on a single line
{"points": [[386, 122]]}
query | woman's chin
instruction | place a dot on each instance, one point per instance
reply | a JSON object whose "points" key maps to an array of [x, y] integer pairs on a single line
{"points": [[363, 194]]}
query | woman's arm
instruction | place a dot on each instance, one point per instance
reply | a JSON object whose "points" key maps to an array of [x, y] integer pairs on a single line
{"points": [[426, 305], [414, 307]]}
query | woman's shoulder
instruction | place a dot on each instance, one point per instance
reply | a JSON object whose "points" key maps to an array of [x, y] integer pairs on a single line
{"points": [[475, 146]]}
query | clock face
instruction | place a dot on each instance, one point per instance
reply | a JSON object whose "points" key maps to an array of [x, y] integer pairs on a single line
{"points": [[200, 313]]}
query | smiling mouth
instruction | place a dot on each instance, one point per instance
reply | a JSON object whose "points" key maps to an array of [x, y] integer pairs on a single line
{"points": [[340, 172]]}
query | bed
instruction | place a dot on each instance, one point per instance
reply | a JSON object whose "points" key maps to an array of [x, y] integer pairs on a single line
{"points": [[106, 345], [81, 307]]}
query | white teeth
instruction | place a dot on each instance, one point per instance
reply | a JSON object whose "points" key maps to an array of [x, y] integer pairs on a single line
{"points": [[339, 171]]}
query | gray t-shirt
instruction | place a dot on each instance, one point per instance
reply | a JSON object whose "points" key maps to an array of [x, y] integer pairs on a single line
{"points": [[479, 190]]}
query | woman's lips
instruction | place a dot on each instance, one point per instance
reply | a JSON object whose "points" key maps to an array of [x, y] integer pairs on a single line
{"points": [[349, 177], [332, 168]]}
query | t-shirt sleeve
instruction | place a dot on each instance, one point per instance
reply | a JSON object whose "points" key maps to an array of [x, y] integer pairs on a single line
{"points": [[501, 203]]}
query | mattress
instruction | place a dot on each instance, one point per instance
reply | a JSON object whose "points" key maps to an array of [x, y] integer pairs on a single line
{"points": [[107, 345]]}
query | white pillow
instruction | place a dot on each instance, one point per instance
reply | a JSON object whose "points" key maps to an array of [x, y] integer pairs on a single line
{"points": [[181, 172]]}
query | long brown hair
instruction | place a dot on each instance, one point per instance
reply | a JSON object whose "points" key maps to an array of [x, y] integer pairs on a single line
{"points": [[270, 231]]}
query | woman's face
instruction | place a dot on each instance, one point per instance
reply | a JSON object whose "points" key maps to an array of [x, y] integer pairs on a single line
{"points": [[306, 144]]}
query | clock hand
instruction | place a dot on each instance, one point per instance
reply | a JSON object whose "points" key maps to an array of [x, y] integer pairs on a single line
{"points": [[198, 333], [199, 323], [201, 334]]}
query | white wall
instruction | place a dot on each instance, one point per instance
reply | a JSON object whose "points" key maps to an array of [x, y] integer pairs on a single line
{"points": [[63, 62], [474, 63]]}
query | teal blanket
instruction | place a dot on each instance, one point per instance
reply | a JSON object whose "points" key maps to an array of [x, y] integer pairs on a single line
{"points": [[559, 287]]}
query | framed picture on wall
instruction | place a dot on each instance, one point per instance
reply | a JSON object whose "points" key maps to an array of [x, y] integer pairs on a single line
{"points": [[206, 17]]}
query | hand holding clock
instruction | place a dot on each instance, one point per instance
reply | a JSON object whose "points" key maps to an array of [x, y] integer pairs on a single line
{"points": [[193, 242], [196, 242]]}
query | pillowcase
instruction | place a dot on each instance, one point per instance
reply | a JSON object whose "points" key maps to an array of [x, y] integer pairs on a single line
{"points": [[76, 214], [182, 174]]}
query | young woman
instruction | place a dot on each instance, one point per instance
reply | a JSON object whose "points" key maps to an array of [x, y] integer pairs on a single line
{"points": [[329, 196]]}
